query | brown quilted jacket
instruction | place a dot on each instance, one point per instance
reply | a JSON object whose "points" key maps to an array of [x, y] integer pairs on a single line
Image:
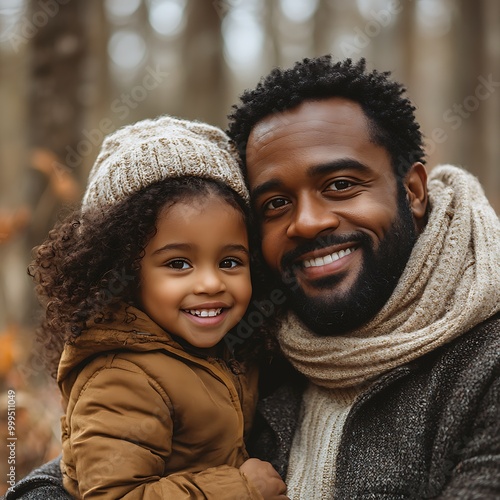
{"points": [[145, 419]]}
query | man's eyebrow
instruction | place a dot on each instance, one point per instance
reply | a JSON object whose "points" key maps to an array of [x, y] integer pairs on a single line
{"points": [[265, 186], [337, 165], [324, 168]]}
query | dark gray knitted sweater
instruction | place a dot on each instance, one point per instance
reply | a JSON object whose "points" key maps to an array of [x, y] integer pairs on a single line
{"points": [[44, 483], [429, 429]]}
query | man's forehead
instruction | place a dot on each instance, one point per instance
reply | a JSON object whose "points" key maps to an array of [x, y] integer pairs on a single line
{"points": [[323, 122], [309, 115]]}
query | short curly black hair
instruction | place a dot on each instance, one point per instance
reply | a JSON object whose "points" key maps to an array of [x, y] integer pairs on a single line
{"points": [[390, 114]]}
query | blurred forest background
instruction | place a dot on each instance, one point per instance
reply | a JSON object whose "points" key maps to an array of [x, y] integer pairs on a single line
{"points": [[73, 71]]}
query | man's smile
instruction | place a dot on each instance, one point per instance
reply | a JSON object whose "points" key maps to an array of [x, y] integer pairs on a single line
{"points": [[328, 258], [327, 264]]}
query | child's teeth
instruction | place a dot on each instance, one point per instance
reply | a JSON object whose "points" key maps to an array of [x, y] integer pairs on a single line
{"points": [[205, 313]]}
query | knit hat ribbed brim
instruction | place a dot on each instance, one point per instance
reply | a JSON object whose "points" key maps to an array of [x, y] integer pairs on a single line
{"points": [[149, 151]]}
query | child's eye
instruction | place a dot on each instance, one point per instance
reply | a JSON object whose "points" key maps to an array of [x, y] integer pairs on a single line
{"points": [[229, 263], [178, 264]]}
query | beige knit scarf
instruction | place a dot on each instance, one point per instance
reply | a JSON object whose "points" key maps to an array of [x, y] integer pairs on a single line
{"points": [[450, 284]]}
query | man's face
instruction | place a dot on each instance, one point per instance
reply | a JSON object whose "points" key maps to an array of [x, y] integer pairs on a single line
{"points": [[335, 226]]}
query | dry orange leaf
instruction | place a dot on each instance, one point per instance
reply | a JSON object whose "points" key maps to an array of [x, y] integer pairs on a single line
{"points": [[61, 180], [12, 223], [8, 351]]}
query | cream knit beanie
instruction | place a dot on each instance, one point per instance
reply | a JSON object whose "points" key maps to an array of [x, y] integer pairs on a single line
{"points": [[149, 151]]}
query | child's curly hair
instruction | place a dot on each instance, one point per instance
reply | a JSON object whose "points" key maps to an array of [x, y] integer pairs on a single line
{"points": [[89, 265]]}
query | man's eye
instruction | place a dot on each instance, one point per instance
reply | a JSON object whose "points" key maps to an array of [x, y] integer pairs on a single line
{"points": [[275, 204], [178, 264], [229, 263], [340, 185]]}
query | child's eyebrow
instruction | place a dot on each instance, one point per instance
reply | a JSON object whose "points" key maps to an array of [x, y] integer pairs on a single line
{"points": [[173, 246], [236, 248], [187, 246]]}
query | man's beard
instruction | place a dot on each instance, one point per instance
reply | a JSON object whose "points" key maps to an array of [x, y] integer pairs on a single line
{"points": [[332, 314]]}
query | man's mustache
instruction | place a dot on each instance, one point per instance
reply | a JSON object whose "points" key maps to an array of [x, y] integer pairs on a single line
{"points": [[288, 261]]}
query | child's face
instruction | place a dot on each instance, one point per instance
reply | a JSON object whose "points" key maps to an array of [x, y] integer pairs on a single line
{"points": [[195, 274]]}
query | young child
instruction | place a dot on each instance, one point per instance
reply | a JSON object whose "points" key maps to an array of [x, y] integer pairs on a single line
{"points": [[139, 292]]}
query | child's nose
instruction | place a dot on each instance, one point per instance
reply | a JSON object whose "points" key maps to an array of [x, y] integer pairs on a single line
{"points": [[210, 282]]}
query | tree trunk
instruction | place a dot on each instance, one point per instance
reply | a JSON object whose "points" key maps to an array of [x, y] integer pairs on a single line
{"points": [[204, 89], [55, 115]]}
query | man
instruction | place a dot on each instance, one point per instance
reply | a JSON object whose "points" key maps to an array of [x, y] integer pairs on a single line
{"points": [[393, 283]]}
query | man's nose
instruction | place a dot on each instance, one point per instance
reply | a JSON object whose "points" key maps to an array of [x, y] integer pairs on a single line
{"points": [[209, 281], [311, 217]]}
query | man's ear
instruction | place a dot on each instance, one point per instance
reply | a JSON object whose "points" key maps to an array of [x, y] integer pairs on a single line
{"points": [[416, 188]]}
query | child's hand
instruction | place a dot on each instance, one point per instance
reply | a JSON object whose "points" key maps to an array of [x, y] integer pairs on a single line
{"points": [[264, 477]]}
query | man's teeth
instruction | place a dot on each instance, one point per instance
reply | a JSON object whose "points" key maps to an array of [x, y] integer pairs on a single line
{"points": [[327, 259], [205, 313]]}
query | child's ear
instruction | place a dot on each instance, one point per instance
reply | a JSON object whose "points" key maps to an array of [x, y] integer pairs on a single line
{"points": [[416, 188]]}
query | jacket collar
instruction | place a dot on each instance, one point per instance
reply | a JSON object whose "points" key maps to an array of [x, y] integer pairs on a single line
{"points": [[132, 330]]}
